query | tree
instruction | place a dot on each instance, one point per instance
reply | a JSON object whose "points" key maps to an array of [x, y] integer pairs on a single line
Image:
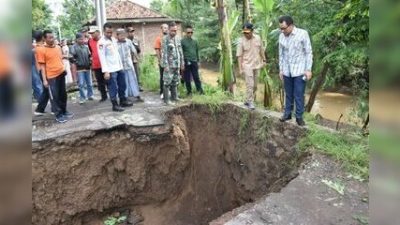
{"points": [[77, 13], [264, 12], [157, 5], [41, 15], [246, 11], [345, 41], [228, 78]]}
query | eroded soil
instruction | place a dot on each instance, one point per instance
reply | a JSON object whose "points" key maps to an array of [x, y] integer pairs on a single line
{"points": [[201, 164]]}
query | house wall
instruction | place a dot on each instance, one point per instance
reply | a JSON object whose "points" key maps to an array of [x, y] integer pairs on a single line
{"points": [[147, 34]]}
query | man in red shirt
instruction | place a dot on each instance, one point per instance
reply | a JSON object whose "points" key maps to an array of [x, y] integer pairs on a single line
{"points": [[96, 66]]}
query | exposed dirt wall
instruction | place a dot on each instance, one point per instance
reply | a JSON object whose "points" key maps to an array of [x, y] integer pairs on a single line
{"points": [[201, 164]]}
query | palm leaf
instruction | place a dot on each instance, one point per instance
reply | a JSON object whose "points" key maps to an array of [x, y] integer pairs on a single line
{"points": [[264, 6], [233, 20]]}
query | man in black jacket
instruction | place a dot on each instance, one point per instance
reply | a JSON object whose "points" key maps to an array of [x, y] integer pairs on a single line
{"points": [[81, 55]]}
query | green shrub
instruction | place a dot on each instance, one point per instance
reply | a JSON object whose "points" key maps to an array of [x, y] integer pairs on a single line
{"points": [[149, 73]]}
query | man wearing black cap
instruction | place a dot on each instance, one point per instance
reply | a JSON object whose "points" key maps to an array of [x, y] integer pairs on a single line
{"points": [[135, 57], [81, 58], [251, 58]]}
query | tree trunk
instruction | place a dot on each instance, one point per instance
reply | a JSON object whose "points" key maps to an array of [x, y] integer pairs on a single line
{"points": [[246, 11], [366, 122], [226, 47], [281, 96], [267, 95], [316, 87]]}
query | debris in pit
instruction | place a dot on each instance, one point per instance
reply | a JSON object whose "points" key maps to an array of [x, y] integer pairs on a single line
{"points": [[111, 220], [124, 217]]}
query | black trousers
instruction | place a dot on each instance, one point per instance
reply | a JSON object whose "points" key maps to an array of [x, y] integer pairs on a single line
{"points": [[58, 93], [192, 70], [101, 82], [161, 80], [7, 103]]}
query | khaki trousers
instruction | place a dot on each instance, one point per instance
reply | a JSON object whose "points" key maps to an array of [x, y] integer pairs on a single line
{"points": [[251, 76]]}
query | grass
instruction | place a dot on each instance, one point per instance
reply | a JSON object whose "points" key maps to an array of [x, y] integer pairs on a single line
{"points": [[351, 150], [244, 123], [335, 185], [150, 74], [213, 98], [264, 126]]}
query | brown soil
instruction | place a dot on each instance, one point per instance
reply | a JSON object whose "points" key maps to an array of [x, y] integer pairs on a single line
{"points": [[200, 165]]}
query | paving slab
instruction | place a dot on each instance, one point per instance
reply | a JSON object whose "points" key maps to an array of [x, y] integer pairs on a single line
{"points": [[307, 200], [93, 115]]}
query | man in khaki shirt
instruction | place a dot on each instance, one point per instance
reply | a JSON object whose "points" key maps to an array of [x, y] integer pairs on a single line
{"points": [[251, 58]]}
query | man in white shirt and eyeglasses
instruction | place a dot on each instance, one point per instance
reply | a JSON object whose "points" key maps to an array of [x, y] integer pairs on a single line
{"points": [[295, 64]]}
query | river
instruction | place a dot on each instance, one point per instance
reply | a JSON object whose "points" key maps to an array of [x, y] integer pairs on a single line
{"points": [[329, 105]]}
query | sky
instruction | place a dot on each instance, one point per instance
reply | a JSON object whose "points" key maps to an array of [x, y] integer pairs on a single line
{"points": [[143, 2]]}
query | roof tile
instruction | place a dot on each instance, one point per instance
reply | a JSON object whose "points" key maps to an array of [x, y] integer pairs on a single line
{"points": [[125, 9]]}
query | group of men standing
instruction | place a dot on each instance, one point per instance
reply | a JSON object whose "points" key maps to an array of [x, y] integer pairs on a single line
{"points": [[175, 57], [114, 61], [115, 65], [295, 63]]}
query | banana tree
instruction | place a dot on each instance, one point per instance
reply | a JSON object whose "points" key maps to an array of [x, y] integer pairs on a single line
{"points": [[228, 77], [263, 10]]}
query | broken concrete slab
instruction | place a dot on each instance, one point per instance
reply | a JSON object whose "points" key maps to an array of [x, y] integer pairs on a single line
{"points": [[306, 200]]}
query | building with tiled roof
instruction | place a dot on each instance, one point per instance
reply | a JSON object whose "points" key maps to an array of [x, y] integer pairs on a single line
{"points": [[145, 21]]}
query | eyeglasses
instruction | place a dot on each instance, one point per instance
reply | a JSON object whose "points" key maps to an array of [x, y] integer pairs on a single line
{"points": [[284, 28], [190, 32]]}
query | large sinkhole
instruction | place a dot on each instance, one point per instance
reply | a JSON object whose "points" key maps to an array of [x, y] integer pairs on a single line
{"points": [[203, 163]]}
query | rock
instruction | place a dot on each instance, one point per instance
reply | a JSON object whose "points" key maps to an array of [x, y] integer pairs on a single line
{"points": [[134, 218], [279, 152]]}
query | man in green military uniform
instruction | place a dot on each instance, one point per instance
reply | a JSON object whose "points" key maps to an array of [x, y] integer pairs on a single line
{"points": [[172, 62]]}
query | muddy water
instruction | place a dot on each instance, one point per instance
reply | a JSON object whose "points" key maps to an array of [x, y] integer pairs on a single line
{"points": [[329, 105]]}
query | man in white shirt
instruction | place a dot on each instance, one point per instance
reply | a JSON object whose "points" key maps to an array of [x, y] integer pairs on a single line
{"points": [[112, 68], [295, 64]]}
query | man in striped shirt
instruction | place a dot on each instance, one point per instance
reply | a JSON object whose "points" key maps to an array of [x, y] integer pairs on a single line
{"points": [[295, 63]]}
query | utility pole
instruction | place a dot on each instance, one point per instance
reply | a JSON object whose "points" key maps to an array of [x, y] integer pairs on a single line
{"points": [[101, 17], [59, 30]]}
